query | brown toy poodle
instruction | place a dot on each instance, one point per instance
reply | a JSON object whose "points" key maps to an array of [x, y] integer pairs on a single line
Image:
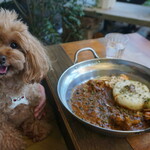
{"points": [[23, 63]]}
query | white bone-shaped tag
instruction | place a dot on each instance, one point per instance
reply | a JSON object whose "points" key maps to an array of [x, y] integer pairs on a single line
{"points": [[17, 101]]}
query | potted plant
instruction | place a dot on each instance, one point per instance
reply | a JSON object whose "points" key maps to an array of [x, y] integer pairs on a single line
{"points": [[52, 21]]}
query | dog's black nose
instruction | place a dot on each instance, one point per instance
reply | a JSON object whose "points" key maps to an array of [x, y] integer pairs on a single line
{"points": [[2, 59]]}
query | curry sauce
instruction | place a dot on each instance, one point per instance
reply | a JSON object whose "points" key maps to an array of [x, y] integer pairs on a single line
{"points": [[93, 102]]}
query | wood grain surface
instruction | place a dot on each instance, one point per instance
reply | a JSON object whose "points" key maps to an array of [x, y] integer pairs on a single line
{"points": [[137, 49], [72, 47], [77, 135]]}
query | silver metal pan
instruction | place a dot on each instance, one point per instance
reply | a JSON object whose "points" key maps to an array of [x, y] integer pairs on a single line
{"points": [[89, 69]]}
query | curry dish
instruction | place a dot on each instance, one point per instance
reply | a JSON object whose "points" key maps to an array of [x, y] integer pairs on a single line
{"points": [[93, 102]]}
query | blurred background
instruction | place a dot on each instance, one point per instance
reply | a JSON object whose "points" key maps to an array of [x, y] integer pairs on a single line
{"points": [[61, 21]]}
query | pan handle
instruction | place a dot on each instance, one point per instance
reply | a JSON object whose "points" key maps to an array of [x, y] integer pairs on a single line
{"points": [[85, 49]]}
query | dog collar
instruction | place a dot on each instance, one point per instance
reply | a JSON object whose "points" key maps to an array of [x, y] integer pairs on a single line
{"points": [[17, 101]]}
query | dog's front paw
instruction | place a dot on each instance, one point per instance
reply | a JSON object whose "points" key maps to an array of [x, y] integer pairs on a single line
{"points": [[41, 130], [37, 129]]}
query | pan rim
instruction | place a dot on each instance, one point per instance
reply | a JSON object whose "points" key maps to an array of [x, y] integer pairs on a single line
{"points": [[98, 60]]}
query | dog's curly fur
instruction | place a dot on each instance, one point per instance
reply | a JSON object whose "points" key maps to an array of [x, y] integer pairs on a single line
{"points": [[23, 63]]}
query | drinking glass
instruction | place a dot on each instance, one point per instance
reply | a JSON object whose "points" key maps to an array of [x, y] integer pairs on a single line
{"points": [[105, 4], [115, 44]]}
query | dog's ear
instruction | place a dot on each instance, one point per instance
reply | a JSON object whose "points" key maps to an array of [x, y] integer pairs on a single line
{"points": [[37, 62]]}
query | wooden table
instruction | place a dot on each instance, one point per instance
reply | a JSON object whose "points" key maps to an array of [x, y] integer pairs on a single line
{"points": [[77, 135], [123, 12]]}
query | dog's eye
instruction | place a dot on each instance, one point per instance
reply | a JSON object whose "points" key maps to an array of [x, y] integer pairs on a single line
{"points": [[13, 45]]}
